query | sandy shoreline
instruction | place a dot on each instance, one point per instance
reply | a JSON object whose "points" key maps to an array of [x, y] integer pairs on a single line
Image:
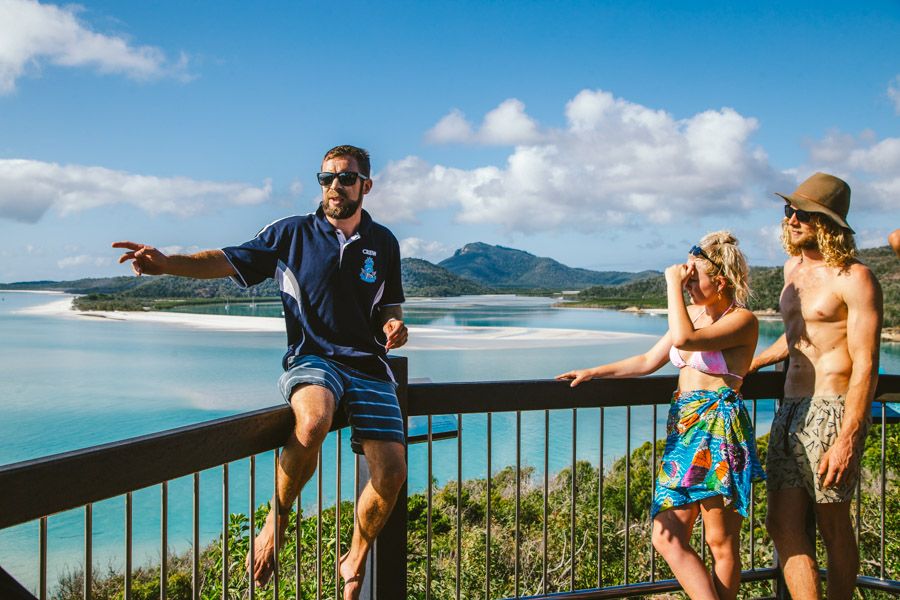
{"points": [[421, 337]]}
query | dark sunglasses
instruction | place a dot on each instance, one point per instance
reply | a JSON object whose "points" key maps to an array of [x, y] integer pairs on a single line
{"points": [[345, 178], [802, 215], [698, 252]]}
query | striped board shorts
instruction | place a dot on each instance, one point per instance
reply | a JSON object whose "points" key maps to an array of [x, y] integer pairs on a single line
{"points": [[372, 408]]}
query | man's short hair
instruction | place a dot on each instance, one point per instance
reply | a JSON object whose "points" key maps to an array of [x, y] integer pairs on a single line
{"points": [[361, 156]]}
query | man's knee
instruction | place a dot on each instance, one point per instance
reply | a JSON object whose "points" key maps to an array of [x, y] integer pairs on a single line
{"points": [[388, 467], [313, 408], [835, 524]]}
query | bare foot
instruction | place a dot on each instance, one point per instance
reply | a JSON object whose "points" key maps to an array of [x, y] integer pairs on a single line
{"points": [[264, 549], [353, 580]]}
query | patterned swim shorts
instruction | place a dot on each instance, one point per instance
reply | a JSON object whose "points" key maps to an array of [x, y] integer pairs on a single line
{"points": [[372, 407], [802, 431]]}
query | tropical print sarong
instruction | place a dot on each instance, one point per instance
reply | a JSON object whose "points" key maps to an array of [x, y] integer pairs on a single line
{"points": [[710, 451]]}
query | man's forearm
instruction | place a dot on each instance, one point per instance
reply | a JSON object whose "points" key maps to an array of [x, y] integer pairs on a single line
{"points": [[386, 313], [775, 353], [858, 404], [207, 264]]}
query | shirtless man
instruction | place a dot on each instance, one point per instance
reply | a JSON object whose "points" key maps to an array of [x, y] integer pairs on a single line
{"points": [[832, 310]]}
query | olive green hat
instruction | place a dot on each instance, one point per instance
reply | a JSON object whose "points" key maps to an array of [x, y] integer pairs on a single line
{"points": [[825, 194]]}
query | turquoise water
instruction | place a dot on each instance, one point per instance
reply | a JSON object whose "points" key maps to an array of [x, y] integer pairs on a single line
{"points": [[71, 383]]}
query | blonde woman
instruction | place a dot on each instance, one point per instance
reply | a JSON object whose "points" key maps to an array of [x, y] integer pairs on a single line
{"points": [[710, 457]]}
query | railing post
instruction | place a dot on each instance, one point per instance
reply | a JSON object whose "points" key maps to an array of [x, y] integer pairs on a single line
{"points": [[389, 551], [781, 591]]}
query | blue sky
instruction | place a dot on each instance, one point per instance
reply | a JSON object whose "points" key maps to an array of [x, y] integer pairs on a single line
{"points": [[606, 136]]}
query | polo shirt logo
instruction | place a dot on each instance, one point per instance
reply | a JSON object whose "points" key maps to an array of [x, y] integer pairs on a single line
{"points": [[367, 273], [368, 252]]}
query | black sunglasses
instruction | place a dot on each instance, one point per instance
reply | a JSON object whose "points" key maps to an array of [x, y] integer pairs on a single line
{"points": [[802, 215], [697, 251], [345, 178]]}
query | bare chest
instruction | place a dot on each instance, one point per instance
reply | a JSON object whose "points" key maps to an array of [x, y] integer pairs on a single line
{"points": [[810, 296]]}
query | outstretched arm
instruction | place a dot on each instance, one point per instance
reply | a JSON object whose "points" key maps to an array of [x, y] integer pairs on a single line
{"points": [[635, 366], [864, 314], [147, 260], [775, 353]]}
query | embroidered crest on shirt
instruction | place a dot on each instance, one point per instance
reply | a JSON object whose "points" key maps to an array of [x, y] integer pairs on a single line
{"points": [[367, 273]]}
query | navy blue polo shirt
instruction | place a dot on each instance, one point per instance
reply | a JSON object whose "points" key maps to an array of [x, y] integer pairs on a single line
{"points": [[331, 287]]}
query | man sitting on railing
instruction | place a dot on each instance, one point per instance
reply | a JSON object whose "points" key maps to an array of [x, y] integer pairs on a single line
{"points": [[832, 310], [339, 275]]}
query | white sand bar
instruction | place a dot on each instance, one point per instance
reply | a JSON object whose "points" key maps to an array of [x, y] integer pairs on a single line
{"points": [[420, 337]]}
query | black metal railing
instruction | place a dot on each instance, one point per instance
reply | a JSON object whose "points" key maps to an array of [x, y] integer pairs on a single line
{"points": [[38, 489]]}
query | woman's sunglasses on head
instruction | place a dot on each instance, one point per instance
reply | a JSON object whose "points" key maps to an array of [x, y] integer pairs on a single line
{"points": [[345, 178], [802, 215], [697, 252]]}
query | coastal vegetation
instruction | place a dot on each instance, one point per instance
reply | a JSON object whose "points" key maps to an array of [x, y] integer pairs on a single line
{"points": [[473, 554]]}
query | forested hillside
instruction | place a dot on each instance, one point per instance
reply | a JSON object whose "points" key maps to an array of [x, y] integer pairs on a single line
{"points": [[501, 267], [765, 282]]}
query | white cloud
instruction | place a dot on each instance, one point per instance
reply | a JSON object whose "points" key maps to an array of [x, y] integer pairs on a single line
{"points": [[452, 128], [893, 93], [83, 260], [871, 167], [29, 188], [32, 34], [432, 251], [168, 250], [508, 124], [615, 162]]}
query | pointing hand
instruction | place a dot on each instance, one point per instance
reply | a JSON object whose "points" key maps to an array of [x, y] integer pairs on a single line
{"points": [[144, 259]]}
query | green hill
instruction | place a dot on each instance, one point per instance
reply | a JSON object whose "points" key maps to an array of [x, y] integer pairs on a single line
{"points": [[501, 267], [766, 284], [421, 278]]}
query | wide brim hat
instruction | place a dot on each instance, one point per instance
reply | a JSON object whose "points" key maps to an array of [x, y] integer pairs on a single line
{"points": [[825, 194]]}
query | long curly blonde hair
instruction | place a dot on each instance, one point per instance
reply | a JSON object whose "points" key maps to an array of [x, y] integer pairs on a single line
{"points": [[837, 245], [730, 263]]}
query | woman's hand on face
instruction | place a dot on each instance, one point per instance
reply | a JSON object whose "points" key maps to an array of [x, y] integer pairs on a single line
{"points": [[678, 274]]}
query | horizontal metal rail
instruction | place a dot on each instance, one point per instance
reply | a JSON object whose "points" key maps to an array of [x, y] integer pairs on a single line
{"points": [[38, 488], [644, 588]]}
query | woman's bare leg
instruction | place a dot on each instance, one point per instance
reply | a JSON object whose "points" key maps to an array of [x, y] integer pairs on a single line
{"points": [[671, 537], [723, 536]]}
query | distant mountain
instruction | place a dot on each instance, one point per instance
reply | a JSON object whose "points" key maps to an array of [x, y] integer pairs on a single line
{"points": [[421, 278], [501, 267]]}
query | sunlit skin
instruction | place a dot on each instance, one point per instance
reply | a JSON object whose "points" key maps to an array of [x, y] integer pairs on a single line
{"points": [[832, 322], [894, 241], [338, 198], [711, 323]]}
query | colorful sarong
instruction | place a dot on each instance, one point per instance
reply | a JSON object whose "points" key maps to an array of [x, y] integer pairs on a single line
{"points": [[710, 451]]}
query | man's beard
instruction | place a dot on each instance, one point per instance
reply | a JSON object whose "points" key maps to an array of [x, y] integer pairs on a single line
{"points": [[808, 242], [345, 210]]}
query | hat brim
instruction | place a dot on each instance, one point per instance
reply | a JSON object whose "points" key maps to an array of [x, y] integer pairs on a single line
{"points": [[815, 207]]}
